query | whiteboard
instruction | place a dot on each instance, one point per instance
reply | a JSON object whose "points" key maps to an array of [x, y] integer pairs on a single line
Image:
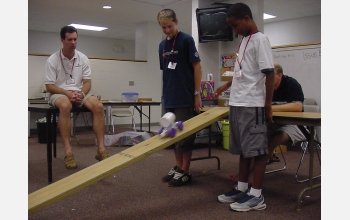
{"points": [[304, 64]]}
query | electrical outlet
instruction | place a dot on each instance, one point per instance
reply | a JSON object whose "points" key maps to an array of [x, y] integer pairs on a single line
{"points": [[131, 83]]}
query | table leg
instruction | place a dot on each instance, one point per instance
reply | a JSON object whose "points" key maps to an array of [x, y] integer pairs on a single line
{"points": [[28, 123], [209, 151], [73, 118], [49, 145], [141, 119], [72, 124], [108, 117], [54, 134], [311, 167], [140, 112], [149, 118]]}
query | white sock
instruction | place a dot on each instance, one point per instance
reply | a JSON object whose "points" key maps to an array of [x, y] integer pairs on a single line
{"points": [[255, 192], [241, 186]]}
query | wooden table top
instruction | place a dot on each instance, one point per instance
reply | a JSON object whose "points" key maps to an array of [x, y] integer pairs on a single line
{"points": [[42, 101], [298, 118]]}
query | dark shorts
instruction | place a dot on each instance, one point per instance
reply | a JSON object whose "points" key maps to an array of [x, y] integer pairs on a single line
{"points": [[248, 131], [183, 114]]}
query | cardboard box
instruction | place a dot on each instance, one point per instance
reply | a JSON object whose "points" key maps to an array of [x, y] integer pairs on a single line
{"points": [[222, 101], [223, 70], [207, 90], [144, 99], [226, 78]]}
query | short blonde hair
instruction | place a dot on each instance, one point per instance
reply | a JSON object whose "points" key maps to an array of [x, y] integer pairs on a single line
{"points": [[278, 68], [166, 15]]}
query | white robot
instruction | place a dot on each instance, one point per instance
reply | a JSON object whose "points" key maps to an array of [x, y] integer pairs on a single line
{"points": [[168, 125]]}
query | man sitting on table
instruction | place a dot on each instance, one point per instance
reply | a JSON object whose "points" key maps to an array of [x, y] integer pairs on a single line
{"points": [[68, 80], [288, 96]]}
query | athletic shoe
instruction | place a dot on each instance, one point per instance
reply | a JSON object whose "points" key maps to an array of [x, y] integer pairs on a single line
{"points": [[180, 178], [232, 196], [170, 175], [248, 203]]}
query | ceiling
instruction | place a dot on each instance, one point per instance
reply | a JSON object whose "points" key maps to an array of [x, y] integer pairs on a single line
{"points": [[121, 19]]}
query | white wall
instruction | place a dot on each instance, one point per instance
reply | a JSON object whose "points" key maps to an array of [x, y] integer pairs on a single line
{"points": [[296, 31], [110, 77], [48, 43]]}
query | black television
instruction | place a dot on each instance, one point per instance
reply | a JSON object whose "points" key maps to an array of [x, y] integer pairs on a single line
{"points": [[212, 25]]}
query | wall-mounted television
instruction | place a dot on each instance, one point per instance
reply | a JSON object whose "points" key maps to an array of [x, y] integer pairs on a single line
{"points": [[212, 25]]}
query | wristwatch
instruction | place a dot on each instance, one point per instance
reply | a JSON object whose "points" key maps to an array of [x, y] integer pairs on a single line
{"points": [[196, 93]]}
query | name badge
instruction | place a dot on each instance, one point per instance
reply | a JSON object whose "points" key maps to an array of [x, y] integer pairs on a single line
{"points": [[238, 74], [172, 65], [70, 81]]}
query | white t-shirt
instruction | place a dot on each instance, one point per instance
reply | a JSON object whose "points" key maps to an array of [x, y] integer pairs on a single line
{"points": [[60, 74], [249, 90]]}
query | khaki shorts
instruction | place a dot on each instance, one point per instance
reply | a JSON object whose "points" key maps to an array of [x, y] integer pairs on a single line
{"points": [[291, 130], [54, 97]]}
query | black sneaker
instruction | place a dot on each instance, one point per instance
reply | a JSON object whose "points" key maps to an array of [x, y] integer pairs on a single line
{"points": [[170, 175], [180, 178]]}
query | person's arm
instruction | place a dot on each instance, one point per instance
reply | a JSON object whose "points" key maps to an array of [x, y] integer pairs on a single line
{"points": [[86, 78], [197, 86], [222, 89], [269, 82], [86, 87], [288, 107]]}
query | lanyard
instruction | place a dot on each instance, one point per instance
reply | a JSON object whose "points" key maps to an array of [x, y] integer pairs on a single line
{"points": [[251, 33], [71, 71], [172, 49]]}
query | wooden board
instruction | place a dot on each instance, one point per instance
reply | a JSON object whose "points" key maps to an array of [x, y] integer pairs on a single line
{"points": [[67, 186], [144, 99]]}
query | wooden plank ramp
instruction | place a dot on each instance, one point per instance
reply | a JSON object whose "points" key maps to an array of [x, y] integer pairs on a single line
{"points": [[65, 187]]}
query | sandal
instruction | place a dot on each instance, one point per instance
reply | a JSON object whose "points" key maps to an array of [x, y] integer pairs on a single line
{"points": [[101, 156], [69, 161]]}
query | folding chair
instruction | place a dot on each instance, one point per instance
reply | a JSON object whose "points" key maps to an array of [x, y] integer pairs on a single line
{"points": [[122, 112], [279, 169]]}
